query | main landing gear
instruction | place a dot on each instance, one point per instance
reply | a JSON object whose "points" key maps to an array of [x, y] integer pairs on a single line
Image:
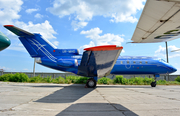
{"points": [[153, 84], [91, 83]]}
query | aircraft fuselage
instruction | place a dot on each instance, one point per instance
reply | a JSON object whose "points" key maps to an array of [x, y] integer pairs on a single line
{"points": [[124, 65], [4, 41]]}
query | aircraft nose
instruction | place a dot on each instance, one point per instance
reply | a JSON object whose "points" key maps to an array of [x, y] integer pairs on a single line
{"points": [[4, 41], [173, 69]]}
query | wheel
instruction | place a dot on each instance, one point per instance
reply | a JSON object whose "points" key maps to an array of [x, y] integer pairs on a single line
{"points": [[91, 83], [153, 84]]}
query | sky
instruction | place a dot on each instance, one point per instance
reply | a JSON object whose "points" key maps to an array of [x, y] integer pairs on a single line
{"points": [[76, 24]]}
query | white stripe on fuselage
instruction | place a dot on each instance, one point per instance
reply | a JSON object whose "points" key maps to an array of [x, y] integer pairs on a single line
{"points": [[43, 49], [46, 50]]}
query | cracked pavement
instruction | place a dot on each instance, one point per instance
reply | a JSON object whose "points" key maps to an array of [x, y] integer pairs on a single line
{"points": [[75, 100]]}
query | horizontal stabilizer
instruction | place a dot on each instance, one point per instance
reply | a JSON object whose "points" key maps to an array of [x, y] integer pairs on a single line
{"points": [[98, 61], [17, 30]]}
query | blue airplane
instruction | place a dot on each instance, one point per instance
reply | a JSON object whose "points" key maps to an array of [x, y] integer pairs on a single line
{"points": [[95, 62]]}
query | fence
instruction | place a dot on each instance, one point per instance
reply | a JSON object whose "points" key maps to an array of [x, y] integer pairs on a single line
{"points": [[56, 75]]}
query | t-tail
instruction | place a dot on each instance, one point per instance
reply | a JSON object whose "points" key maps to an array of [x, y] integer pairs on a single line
{"points": [[38, 46]]}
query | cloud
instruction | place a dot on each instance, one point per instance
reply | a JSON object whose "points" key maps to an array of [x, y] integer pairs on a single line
{"points": [[56, 43], [91, 44], [17, 47], [38, 16], [3, 68], [97, 39], [45, 29], [25, 69], [177, 72], [161, 52], [9, 11], [29, 11], [105, 39], [76, 25], [85, 10], [123, 51]]}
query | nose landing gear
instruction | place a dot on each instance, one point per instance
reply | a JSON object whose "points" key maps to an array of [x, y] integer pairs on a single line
{"points": [[153, 84]]}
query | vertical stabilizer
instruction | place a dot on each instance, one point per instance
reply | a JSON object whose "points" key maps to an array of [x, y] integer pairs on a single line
{"points": [[34, 43]]}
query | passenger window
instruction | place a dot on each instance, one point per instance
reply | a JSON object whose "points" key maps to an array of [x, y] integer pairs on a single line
{"points": [[140, 62], [134, 62], [146, 62], [127, 62], [121, 62]]}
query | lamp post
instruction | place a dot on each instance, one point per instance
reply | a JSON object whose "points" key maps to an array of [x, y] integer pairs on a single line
{"points": [[34, 67], [167, 52]]}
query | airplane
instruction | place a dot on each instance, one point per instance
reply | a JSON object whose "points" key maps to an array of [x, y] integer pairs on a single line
{"points": [[95, 62], [4, 41], [159, 22]]}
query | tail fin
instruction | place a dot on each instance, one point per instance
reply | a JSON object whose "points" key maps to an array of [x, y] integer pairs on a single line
{"points": [[34, 43]]}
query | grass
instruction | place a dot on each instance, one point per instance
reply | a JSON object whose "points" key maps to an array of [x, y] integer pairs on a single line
{"points": [[21, 77], [105, 80], [18, 77], [177, 79], [119, 79]]}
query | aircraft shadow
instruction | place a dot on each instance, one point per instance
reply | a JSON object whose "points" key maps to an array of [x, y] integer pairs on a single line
{"points": [[70, 94], [124, 86], [67, 94], [52, 86], [96, 109]]}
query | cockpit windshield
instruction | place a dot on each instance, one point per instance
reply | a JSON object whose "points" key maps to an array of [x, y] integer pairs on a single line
{"points": [[161, 60]]}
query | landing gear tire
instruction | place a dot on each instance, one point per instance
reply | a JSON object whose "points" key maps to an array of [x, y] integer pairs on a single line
{"points": [[153, 84], [91, 83]]}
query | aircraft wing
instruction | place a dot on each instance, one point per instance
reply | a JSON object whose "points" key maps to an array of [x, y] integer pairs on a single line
{"points": [[98, 61], [159, 22], [17, 31]]}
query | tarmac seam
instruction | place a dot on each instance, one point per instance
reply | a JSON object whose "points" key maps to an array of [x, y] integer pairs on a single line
{"points": [[12, 109], [122, 111], [21, 104], [5, 110], [153, 94]]}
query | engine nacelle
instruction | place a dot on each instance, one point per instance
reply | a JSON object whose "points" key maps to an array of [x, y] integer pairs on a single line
{"points": [[67, 62]]}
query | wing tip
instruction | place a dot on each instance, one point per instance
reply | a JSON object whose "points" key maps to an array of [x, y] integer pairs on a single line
{"points": [[104, 48], [8, 25]]}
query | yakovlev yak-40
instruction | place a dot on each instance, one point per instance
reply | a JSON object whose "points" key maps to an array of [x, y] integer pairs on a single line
{"points": [[101, 61]]}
